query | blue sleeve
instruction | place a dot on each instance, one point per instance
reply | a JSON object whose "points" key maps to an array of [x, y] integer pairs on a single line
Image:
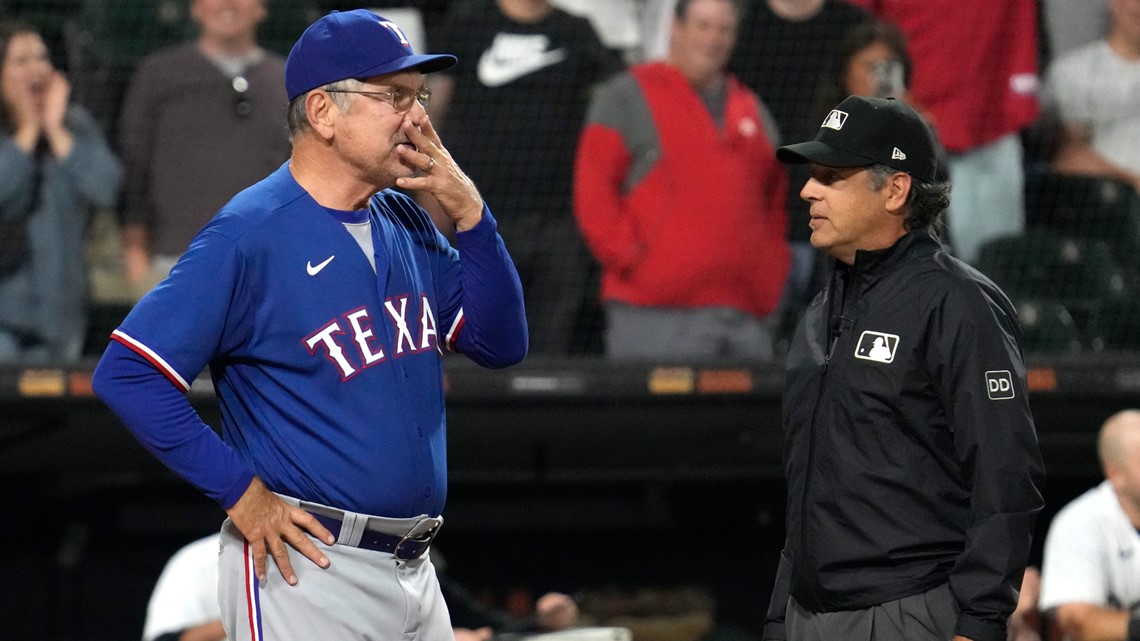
{"points": [[165, 423], [490, 327], [197, 313], [161, 347]]}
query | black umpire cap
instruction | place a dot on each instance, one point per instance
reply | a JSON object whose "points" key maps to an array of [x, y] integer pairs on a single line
{"points": [[863, 131]]}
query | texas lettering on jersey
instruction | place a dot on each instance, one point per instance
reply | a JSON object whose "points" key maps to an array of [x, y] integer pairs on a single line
{"points": [[350, 341]]}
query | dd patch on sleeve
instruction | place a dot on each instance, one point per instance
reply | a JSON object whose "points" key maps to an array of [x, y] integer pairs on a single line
{"points": [[999, 385]]}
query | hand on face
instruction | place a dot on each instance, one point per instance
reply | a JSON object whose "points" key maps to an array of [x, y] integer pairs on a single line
{"points": [[24, 103], [54, 104], [440, 176], [26, 74]]}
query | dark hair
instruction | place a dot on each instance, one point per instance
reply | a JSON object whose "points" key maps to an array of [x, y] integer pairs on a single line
{"points": [[925, 203], [681, 9], [10, 28], [831, 90]]}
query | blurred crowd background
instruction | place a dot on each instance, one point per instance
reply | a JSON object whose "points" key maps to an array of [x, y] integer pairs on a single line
{"points": [[1030, 98], [126, 124]]}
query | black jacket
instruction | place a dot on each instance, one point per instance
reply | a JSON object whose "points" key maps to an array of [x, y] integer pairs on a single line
{"points": [[910, 451]]}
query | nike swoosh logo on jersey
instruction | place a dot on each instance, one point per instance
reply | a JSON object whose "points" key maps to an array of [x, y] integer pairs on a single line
{"points": [[313, 271], [505, 63]]}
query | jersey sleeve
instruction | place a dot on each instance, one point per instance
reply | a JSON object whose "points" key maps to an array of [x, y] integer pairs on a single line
{"points": [[161, 418], [158, 351], [481, 299], [187, 319], [1072, 566]]}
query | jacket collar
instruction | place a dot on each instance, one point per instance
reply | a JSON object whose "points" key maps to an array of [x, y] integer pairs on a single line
{"points": [[913, 245]]}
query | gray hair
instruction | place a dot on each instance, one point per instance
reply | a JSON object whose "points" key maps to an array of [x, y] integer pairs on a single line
{"points": [[925, 203], [298, 120]]}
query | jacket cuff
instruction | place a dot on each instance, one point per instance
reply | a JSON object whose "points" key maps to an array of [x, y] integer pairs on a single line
{"points": [[979, 629]]}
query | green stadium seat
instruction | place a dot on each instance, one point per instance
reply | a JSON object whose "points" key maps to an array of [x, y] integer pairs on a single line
{"points": [[1118, 325], [1048, 327], [1044, 265], [1087, 207], [1079, 274]]}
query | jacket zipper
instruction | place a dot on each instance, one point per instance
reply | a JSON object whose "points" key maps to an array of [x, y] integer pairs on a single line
{"points": [[832, 341]]}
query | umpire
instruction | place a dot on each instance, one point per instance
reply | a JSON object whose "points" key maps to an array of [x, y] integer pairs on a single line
{"points": [[911, 456]]}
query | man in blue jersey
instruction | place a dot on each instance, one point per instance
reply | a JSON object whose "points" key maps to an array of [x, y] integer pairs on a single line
{"points": [[321, 301]]}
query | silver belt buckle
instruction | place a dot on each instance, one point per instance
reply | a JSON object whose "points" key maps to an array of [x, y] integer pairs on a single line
{"points": [[422, 532]]}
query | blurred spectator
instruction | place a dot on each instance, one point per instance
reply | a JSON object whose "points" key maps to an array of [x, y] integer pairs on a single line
{"points": [[1090, 580], [1025, 622], [1071, 24], [680, 197], [511, 109], [785, 50], [975, 79], [656, 18], [201, 121], [474, 621], [615, 21], [873, 61], [1095, 92], [184, 604], [56, 167]]}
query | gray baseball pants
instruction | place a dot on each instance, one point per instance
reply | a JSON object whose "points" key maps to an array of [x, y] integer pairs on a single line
{"points": [[363, 595]]}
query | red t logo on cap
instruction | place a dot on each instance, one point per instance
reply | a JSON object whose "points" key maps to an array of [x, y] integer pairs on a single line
{"points": [[395, 28]]}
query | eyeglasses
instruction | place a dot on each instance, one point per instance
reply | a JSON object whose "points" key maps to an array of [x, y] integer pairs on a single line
{"points": [[401, 98]]}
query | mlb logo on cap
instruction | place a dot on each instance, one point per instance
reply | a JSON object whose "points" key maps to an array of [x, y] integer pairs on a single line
{"points": [[835, 119], [863, 131]]}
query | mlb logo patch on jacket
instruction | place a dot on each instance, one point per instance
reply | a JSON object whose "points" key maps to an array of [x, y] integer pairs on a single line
{"points": [[877, 346]]}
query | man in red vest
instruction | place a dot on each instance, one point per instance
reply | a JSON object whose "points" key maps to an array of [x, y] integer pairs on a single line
{"points": [[678, 194]]}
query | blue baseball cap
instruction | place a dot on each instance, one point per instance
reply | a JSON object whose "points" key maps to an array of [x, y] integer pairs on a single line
{"points": [[352, 44]]}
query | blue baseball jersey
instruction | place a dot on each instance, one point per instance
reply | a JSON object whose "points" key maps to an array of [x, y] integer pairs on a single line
{"points": [[328, 373]]}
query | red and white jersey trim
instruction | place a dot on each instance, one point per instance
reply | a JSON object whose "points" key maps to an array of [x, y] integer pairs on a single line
{"points": [[453, 333], [156, 360]]}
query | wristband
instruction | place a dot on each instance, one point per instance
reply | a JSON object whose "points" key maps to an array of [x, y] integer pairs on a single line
{"points": [[1134, 628]]}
